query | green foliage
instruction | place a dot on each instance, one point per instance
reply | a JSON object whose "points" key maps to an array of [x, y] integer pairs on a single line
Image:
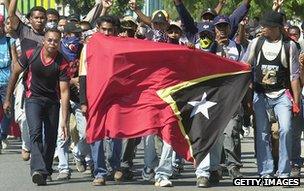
{"points": [[292, 8], [120, 7]]}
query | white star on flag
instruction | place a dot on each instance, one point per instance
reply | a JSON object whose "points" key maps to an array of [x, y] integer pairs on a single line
{"points": [[201, 106]]}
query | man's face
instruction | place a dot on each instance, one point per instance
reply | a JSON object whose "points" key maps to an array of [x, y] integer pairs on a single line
{"points": [[61, 24], [222, 31], [51, 42], [174, 33], [162, 26], [107, 29], [38, 20], [294, 34], [268, 31], [52, 18]]}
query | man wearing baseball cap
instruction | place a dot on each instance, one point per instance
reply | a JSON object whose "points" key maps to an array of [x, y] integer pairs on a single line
{"points": [[275, 61], [206, 35]]}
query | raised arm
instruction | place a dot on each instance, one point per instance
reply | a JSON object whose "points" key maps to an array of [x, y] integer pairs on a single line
{"points": [[14, 19], [144, 18], [237, 16], [185, 17], [220, 6]]}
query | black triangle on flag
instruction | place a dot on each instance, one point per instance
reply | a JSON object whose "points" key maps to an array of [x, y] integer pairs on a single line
{"points": [[204, 107]]}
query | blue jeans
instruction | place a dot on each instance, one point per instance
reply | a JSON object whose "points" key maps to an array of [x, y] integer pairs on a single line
{"points": [[98, 156], [42, 118], [282, 109], [164, 169], [212, 160], [6, 121], [82, 150], [150, 157], [297, 129]]}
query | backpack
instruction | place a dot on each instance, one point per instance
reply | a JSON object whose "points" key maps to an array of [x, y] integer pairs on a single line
{"points": [[286, 45]]}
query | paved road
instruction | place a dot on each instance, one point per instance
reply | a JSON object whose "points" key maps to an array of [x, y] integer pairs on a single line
{"points": [[14, 175]]}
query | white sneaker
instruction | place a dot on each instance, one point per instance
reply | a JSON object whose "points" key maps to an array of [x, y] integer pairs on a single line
{"points": [[4, 144], [163, 182], [246, 131]]}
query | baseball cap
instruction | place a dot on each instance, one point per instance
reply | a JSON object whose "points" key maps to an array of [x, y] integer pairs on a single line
{"points": [[129, 22], [272, 19], [160, 16], [209, 11], [72, 27], [205, 27], [175, 24], [221, 19], [73, 17]]}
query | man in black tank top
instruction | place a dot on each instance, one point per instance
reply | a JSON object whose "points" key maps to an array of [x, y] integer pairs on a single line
{"points": [[46, 77], [276, 88]]}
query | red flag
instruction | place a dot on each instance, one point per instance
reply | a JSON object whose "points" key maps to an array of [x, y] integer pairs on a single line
{"points": [[126, 78]]}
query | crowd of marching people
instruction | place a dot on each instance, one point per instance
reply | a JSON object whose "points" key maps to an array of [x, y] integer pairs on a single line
{"points": [[43, 87]]}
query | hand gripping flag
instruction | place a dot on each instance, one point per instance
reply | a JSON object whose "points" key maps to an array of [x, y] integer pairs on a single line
{"points": [[137, 87]]}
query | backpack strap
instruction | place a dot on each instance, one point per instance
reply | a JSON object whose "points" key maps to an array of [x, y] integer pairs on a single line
{"points": [[239, 48], [258, 47], [8, 42]]}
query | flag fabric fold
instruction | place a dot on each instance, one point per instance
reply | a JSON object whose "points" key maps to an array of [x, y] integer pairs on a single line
{"points": [[137, 87]]}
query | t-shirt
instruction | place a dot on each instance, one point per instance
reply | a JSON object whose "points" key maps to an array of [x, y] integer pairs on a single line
{"points": [[5, 60], [28, 38], [231, 51], [42, 79]]}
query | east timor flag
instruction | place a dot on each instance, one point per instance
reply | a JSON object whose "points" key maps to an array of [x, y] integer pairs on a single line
{"points": [[137, 87]]}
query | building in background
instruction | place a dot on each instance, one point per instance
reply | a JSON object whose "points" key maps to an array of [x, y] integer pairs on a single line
{"points": [[152, 5]]}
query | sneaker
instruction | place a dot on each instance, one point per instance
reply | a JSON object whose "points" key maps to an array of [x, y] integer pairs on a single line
{"points": [[99, 182], [89, 170], [234, 172], [25, 155], [163, 182], [118, 176], [215, 177], [202, 182], [246, 131], [49, 178], [127, 174], [0, 147], [38, 179], [295, 171], [64, 176], [4, 144], [148, 174], [80, 166]]}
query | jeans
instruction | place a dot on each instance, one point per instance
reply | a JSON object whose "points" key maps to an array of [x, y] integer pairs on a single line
{"points": [[6, 120], [99, 159], [297, 129], [150, 156], [282, 109], [212, 160], [42, 117], [62, 150], [164, 168], [232, 143], [128, 152], [82, 150], [25, 136]]}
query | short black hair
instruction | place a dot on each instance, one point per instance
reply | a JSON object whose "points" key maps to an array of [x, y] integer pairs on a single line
{"points": [[52, 30], [37, 8], [295, 28], [86, 24], [52, 11], [106, 18]]}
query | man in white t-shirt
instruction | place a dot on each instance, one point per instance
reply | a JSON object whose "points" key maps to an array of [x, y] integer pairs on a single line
{"points": [[275, 79]]}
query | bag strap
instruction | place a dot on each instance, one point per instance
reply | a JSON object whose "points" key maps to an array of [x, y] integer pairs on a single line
{"points": [[8, 42]]}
